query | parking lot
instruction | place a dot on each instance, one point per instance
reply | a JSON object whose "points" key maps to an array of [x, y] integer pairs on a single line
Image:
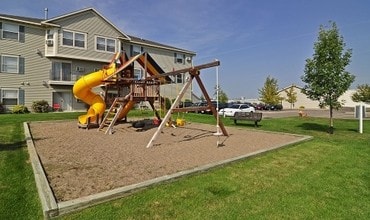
{"points": [[311, 113]]}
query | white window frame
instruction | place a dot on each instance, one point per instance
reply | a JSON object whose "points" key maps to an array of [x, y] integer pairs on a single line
{"points": [[3, 90], [60, 70], [10, 31], [138, 74], [136, 49], [74, 44], [179, 58], [3, 69], [179, 78], [49, 35], [106, 44]]}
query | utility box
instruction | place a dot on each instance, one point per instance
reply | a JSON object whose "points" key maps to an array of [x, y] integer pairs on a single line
{"points": [[357, 111]]}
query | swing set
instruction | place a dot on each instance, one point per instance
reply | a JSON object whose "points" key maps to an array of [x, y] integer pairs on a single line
{"points": [[194, 73]]}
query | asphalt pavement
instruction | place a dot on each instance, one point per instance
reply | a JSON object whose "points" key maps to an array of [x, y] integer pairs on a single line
{"points": [[324, 113]]}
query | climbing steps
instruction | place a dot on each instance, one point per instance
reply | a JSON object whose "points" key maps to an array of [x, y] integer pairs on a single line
{"points": [[114, 113]]}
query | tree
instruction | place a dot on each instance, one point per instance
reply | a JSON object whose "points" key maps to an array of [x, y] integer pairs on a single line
{"points": [[269, 93], [362, 94], [222, 96], [202, 98], [325, 75], [291, 96]]}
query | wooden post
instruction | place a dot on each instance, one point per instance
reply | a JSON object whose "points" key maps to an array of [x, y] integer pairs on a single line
{"points": [[168, 115], [206, 96]]}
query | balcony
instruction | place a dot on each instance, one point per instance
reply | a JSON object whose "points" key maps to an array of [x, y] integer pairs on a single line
{"points": [[60, 78]]}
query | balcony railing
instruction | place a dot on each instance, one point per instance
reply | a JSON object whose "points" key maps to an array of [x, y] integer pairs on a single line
{"points": [[58, 78]]}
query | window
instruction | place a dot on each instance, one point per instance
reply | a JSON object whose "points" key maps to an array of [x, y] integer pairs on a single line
{"points": [[111, 45], [74, 39], [179, 58], [49, 35], [138, 74], [106, 44], [9, 96], [12, 31], [135, 50], [79, 40], [11, 64], [61, 71], [179, 78]]}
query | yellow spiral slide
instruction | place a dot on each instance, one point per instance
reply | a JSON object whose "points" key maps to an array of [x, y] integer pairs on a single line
{"points": [[82, 90]]}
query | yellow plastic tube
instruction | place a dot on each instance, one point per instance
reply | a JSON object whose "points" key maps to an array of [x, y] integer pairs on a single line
{"points": [[82, 90]]}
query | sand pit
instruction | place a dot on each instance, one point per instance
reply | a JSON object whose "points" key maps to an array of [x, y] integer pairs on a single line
{"points": [[82, 162]]}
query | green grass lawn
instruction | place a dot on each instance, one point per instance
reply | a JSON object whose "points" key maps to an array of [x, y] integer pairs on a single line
{"points": [[327, 177]]}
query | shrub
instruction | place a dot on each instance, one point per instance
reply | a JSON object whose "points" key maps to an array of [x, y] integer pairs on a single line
{"points": [[20, 109], [168, 103], [40, 106], [2, 108]]}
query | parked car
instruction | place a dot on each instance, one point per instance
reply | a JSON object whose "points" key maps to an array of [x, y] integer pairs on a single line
{"points": [[276, 107], [208, 111], [236, 108], [260, 106], [184, 104], [214, 103]]}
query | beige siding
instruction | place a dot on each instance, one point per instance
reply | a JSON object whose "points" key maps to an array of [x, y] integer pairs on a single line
{"points": [[39, 57], [166, 61], [302, 100], [93, 25], [36, 66]]}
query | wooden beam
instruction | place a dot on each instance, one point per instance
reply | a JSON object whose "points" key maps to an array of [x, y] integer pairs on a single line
{"points": [[213, 109], [169, 113], [191, 70], [190, 109]]}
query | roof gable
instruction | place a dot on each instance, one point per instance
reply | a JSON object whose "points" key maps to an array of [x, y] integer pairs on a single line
{"points": [[65, 17], [290, 86]]}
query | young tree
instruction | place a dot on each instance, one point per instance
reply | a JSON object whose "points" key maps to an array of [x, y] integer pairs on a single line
{"points": [[269, 93], [222, 96], [325, 75], [291, 96], [362, 94]]}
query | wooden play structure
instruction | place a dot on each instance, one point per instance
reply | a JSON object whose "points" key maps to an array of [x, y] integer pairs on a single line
{"points": [[130, 91], [117, 78]]}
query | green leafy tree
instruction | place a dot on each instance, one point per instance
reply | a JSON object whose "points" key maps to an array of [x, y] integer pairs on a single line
{"points": [[362, 94], [269, 93], [291, 96], [222, 96], [202, 98], [325, 75]]}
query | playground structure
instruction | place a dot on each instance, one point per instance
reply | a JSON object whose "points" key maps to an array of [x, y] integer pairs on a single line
{"points": [[118, 76]]}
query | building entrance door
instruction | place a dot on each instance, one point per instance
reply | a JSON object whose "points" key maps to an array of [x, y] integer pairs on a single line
{"points": [[63, 100]]}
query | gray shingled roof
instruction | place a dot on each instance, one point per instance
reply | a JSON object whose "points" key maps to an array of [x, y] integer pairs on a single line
{"points": [[21, 18]]}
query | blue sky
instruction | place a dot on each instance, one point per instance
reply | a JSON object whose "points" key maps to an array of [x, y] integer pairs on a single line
{"points": [[253, 39]]}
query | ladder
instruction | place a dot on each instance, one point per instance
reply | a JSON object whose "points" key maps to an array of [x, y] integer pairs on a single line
{"points": [[115, 109]]}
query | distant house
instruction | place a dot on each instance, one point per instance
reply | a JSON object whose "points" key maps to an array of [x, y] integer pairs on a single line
{"points": [[302, 100], [307, 103], [40, 59]]}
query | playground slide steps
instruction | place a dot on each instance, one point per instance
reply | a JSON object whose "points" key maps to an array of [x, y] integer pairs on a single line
{"points": [[115, 111]]}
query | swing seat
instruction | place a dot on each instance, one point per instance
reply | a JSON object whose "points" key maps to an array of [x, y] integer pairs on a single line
{"points": [[180, 122]]}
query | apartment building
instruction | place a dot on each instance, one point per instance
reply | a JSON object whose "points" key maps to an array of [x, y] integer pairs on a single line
{"points": [[40, 59]]}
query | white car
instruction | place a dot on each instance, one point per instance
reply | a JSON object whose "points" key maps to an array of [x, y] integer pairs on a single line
{"points": [[236, 108]]}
